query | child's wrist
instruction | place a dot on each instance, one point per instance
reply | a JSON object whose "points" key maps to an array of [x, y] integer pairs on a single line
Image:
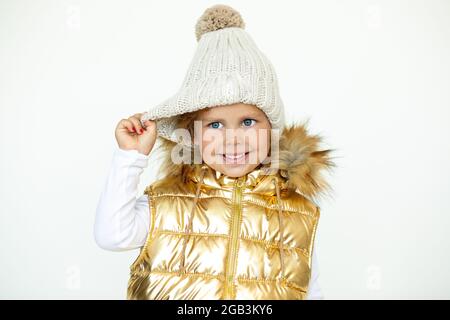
{"points": [[133, 152]]}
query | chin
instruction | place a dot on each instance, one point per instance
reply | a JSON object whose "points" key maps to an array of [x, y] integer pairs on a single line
{"points": [[236, 172], [231, 170]]}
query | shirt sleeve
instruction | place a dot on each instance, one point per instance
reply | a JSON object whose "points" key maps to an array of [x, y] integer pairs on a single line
{"points": [[314, 290], [122, 219]]}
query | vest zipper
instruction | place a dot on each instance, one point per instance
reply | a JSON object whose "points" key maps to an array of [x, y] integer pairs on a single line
{"points": [[234, 240]]}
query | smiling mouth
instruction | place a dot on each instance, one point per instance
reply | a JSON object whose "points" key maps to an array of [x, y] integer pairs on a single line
{"points": [[234, 157]]}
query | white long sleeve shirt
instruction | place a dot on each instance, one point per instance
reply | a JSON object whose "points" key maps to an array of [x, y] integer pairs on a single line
{"points": [[122, 219]]}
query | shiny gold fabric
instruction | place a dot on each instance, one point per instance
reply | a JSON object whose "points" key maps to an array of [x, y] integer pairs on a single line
{"points": [[219, 237]]}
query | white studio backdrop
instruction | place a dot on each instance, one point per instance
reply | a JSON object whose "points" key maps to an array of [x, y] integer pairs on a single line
{"points": [[372, 76]]}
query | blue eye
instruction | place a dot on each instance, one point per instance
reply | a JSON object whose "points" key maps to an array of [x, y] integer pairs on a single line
{"points": [[214, 125], [248, 122]]}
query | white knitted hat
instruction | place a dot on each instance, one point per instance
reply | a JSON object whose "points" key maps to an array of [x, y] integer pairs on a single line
{"points": [[227, 68]]}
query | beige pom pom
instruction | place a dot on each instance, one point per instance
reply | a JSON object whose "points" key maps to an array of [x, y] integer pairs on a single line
{"points": [[218, 17]]}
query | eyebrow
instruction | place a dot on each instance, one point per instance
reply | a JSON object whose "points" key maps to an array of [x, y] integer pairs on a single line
{"points": [[253, 115]]}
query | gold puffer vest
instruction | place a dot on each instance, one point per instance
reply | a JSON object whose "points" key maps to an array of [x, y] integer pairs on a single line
{"points": [[217, 237]]}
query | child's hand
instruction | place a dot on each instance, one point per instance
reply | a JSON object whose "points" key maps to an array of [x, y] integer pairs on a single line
{"points": [[130, 134]]}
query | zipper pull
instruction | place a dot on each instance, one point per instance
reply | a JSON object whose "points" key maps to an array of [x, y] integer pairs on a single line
{"points": [[240, 182]]}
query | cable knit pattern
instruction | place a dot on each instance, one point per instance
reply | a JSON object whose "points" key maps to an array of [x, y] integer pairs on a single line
{"points": [[227, 68]]}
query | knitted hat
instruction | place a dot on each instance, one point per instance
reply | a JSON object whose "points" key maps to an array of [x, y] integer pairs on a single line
{"points": [[227, 68]]}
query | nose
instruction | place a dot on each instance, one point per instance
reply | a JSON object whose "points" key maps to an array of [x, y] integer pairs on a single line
{"points": [[235, 141], [235, 135]]}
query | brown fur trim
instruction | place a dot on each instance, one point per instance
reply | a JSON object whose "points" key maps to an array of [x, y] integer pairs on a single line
{"points": [[300, 161]]}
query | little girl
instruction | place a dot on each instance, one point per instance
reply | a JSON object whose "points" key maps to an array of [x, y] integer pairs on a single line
{"points": [[233, 215]]}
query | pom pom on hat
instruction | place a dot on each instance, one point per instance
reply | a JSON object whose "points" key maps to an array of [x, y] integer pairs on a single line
{"points": [[218, 17]]}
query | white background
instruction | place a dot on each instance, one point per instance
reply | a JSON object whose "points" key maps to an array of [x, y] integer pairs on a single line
{"points": [[372, 76]]}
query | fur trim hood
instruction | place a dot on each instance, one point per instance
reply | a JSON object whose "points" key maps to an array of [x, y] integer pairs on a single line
{"points": [[300, 162]]}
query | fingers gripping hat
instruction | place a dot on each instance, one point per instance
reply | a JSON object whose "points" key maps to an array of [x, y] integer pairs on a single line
{"points": [[227, 68]]}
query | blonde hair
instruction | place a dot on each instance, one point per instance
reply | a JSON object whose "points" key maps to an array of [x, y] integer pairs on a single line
{"points": [[186, 120]]}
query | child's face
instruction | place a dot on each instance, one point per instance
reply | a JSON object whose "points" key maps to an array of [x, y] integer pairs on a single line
{"points": [[235, 138]]}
